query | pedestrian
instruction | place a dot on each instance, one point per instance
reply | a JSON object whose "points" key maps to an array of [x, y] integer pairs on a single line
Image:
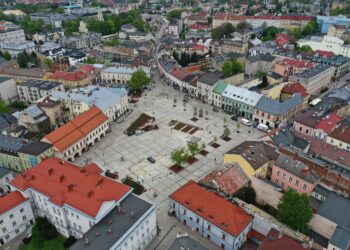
{"points": [[215, 159], [248, 131]]}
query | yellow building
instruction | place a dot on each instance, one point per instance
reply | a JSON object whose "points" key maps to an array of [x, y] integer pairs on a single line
{"points": [[254, 157]]}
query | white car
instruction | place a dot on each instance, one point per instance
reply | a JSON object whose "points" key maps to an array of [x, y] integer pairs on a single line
{"points": [[246, 122], [139, 132]]}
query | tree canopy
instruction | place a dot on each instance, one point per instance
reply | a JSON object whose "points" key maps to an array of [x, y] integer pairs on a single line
{"points": [[179, 156], [138, 80], [193, 148], [295, 210], [7, 56], [223, 30], [270, 33], [3, 107], [246, 194], [174, 14], [232, 67], [23, 59]]}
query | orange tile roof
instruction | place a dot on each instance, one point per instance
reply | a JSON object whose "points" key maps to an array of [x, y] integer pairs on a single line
{"points": [[67, 183], [215, 209], [10, 201], [65, 136], [275, 241]]}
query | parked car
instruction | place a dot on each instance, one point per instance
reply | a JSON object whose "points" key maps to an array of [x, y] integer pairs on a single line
{"points": [[139, 132], [130, 133], [263, 127], [234, 118], [151, 159], [200, 112], [215, 109], [246, 122]]}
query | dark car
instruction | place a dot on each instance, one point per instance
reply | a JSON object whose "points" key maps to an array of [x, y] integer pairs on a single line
{"points": [[215, 109], [348, 80], [130, 133], [151, 159], [234, 118]]}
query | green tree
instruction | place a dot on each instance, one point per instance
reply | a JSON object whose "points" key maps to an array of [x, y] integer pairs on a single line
{"points": [[269, 33], [3, 107], [48, 63], [60, 10], [179, 156], [304, 48], [295, 210], [7, 56], [221, 31], [226, 133], [231, 67], [114, 42], [91, 60], [17, 104], [246, 194], [243, 25], [310, 28], [173, 14], [210, 19], [138, 80], [193, 148], [23, 59]]}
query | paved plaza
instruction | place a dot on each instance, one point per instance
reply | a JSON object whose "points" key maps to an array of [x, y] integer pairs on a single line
{"points": [[159, 143]]}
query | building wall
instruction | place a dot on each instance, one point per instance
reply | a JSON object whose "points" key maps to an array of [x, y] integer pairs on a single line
{"points": [[207, 229], [29, 161], [265, 192], [12, 36], [252, 68], [322, 226], [303, 129], [8, 91], [235, 80], [15, 221], [4, 180], [287, 180], [33, 94], [338, 143]]}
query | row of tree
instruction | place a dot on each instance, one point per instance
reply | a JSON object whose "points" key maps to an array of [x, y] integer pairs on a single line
{"points": [[185, 58], [232, 67], [181, 155]]}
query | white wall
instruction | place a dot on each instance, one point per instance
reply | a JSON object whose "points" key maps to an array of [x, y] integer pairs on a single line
{"points": [[8, 90]]}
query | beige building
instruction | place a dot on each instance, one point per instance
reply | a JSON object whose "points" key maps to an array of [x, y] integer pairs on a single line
{"points": [[52, 109], [234, 46], [259, 64]]}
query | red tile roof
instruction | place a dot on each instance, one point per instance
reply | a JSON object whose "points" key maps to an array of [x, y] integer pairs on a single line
{"points": [[341, 133], [296, 63], [323, 53], [213, 208], [178, 73], [254, 234], [328, 123], [228, 180], [199, 47], [274, 241], [75, 130], [293, 88], [67, 183], [10, 201], [282, 39], [262, 17], [68, 76]]}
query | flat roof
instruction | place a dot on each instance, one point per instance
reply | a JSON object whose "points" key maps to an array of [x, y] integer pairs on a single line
{"points": [[117, 222]]}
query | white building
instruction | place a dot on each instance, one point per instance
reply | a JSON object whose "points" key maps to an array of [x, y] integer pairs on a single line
{"points": [[82, 202], [211, 216], [16, 48], [112, 101], [6, 176], [205, 86], [120, 75], [16, 216], [76, 136], [11, 33], [8, 90], [327, 43], [31, 91]]}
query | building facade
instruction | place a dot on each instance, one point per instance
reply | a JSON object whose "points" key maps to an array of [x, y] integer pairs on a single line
{"points": [[226, 229], [120, 75], [8, 91], [31, 91], [16, 216]]}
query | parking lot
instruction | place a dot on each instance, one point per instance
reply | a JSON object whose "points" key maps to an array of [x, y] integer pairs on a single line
{"points": [[127, 155]]}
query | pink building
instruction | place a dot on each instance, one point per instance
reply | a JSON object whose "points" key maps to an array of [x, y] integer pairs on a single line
{"points": [[289, 173], [305, 123], [288, 67]]}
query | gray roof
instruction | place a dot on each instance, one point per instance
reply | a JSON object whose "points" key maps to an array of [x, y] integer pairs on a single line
{"points": [[4, 79], [341, 238], [41, 85], [296, 168], [242, 95], [286, 138], [336, 208], [121, 223], [3, 171], [210, 78], [185, 242], [341, 93], [321, 190], [275, 107], [274, 75], [261, 57], [12, 145], [310, 73]]}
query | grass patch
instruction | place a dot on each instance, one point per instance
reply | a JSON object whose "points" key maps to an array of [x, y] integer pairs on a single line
{"points": [[54, 244], [139, 122], [137, 187]]}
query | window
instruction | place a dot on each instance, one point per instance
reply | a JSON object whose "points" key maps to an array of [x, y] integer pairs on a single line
{"points": [[296, 182], [284, 175], [16, 231], [21, 210], [11, 216], [184, 212], [282, 184], [223, 236], [278, 173], [24, 217], [197, 220], [1, 221], [7, 237], [4, 229], [276, 181], [14, 223], [209, 227], [290, 179], [304, 187]]}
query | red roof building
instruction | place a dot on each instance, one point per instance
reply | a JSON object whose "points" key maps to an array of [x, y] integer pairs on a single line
{"points": [[277, 241], [283, 39], [323, 53], [78, 77], [11, 201], [75, 136], [216, 212], [328, 123], [68, 185], [293, 88]]}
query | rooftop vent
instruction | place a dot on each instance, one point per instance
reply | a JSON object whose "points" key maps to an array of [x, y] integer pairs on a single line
{"points": [[50, 171]]}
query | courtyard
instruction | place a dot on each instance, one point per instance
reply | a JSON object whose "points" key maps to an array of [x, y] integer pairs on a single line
{"points": [[128, 155]]}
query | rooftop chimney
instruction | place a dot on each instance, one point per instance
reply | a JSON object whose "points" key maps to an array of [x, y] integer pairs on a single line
{"points": [[306, 170], [50, 171], [280, 235], [62, 177]]}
